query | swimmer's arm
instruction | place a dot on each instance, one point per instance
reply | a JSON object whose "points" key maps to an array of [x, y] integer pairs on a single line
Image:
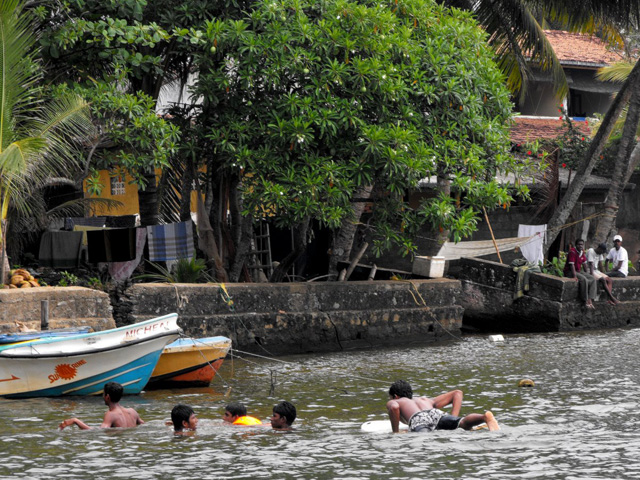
{"points": [[139, 421], [136, 416], [74, 421], [453, 398], [393, 408]]}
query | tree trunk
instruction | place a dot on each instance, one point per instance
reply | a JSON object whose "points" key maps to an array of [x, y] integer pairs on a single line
{"points": [[444, 188], [622, 171], [570, 198], [5, 268], [343, 240], [242, 248], [148, 200], [241, 232], [300, 232]]}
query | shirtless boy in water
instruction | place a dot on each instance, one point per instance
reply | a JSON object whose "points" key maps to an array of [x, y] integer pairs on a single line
{"points": [[423, 414], [117, 415]]}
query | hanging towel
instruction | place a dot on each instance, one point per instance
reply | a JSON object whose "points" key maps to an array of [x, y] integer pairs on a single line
{"points": [[170, 242], [120, 271], [60, 249], [532, 250], [112, 245], [120, 221], [84, 229]]}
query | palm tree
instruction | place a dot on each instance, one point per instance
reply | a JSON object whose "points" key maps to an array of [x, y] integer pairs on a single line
{"points": [[37, 136], [515, 34], [628, 154]]}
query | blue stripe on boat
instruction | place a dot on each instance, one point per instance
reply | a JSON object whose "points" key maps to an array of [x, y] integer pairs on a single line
{"points": [[133, 377]]}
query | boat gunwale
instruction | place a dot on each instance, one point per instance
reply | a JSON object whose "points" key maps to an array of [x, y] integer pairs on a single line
{"points": [[45, 341], [89, 352]]}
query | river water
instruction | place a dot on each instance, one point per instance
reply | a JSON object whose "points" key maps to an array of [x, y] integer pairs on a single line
{"points": [[580, 421]]}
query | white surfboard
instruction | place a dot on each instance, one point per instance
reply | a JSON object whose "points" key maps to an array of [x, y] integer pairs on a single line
{"points": [[380, 426]]}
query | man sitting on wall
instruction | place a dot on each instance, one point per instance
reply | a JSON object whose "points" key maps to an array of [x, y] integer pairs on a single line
{"points": [[619, 257]]}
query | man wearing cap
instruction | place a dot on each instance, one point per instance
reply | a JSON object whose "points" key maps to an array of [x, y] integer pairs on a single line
{"points": [[620, 259], [595, 260]]}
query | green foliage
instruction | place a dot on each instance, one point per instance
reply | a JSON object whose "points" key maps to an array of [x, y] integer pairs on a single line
{"points": [[186, 270], [68, 279], [38, 133], [307, 101], [134, 139], [95, 283], [555, 266]]}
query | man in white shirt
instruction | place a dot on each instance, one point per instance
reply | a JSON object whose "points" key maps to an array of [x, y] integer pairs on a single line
{"points": [[595, 259], [619, 257]]}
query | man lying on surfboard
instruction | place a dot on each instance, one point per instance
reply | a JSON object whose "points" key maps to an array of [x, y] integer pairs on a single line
{"points": [[423, 414]]}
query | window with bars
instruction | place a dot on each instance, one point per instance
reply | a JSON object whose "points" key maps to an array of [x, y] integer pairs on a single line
{"points": [[117, 185]]}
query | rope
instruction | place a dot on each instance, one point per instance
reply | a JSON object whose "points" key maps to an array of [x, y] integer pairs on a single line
{"points": [[561, 227], [426, 307], [350, 375], [181, 300]]}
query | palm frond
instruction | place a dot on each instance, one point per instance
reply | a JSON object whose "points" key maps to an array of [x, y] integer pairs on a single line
{"points": [[618, 72], [79, 206], [16, 65], [582, 15], [519, 42], [15, 156]]}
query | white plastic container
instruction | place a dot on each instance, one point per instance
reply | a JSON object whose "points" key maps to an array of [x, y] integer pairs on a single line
{"points": [[432, 267]]}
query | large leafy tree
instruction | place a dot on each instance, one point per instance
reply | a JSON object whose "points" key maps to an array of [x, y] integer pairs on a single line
{"points": [[308, 102], [38, 135], [130, 139], [151, 45]]}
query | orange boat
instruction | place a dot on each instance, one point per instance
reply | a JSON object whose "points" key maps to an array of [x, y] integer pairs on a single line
{"points": [[189, 362]]}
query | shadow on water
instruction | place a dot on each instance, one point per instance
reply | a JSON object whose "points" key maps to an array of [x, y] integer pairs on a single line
{"points": [[577, 422]]}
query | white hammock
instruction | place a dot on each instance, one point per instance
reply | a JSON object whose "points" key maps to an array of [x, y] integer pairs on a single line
{"points": [[453, 251]]}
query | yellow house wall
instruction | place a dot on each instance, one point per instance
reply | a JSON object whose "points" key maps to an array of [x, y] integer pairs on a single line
{"points": [[129, 199]]}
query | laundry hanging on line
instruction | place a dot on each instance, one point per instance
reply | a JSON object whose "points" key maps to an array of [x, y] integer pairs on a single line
{"points": [[170, 241]]}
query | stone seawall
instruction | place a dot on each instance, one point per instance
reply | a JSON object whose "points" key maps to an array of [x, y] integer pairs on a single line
{"points": [[304, 317], [68, 307], [551, 304]]}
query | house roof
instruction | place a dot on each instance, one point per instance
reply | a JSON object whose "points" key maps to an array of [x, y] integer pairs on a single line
{"points": [[578, 49], [527, 129]]}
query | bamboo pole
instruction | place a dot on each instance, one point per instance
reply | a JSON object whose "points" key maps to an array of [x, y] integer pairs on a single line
{"points": [[493, 239]]}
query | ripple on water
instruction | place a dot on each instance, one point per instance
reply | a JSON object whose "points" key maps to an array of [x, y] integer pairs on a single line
{"points": [[577, 422]]}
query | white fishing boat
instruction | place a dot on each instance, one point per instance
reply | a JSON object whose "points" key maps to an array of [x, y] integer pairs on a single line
{"points": [[82, 364]]}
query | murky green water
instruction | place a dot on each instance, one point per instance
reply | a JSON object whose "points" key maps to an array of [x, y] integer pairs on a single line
{"points": [[579, 422]]}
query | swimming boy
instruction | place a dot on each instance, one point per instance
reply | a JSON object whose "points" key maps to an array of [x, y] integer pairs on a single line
{"points": [[284, 414], [236, 414], [116, 417], [183, 418], [422, 414]]}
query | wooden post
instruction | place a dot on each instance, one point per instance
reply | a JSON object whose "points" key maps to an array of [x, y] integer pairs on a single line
{"points": [[495, 245], [372, 273], [356, 259], [44, 314]]}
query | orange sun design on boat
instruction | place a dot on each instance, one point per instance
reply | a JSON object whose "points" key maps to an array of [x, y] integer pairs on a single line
{"points": [[66, 371]]}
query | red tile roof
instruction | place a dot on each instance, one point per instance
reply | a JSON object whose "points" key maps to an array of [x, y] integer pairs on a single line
{"points": [[578, 48], [528, 129]]}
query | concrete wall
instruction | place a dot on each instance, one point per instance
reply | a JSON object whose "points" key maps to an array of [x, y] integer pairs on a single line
{"points": [[304, 317], [68, 307], [552, 303]]}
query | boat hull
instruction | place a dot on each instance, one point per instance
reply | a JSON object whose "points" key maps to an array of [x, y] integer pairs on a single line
{"points": [[82, 364], [189, 363]]}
